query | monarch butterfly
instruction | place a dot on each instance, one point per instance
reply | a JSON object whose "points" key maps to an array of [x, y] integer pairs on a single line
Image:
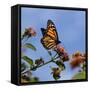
{"points": [[50, 36]]}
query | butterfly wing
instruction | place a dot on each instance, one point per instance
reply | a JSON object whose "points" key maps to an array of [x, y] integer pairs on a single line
{"points": [[43, 31], [51, 30], [48, 42], [50, 36]]}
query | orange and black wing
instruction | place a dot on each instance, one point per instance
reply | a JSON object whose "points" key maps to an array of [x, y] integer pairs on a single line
{"points": [[50, 36]]}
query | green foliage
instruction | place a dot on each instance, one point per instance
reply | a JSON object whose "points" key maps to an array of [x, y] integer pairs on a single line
{"points": [[56, 72], [56, 77], [80, 75], [60, 64], [23, 67], [34, 68], [34, 79], [26, 79], [83, 66], [29, 45], [28, 60]]}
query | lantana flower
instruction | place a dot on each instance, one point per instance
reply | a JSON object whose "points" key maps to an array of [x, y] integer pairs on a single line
{"points": [[77, 59], [39, 61], [62, 53], [59, 49], [29, 32], [65, 57]]}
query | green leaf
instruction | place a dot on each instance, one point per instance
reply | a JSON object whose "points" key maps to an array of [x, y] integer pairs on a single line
{"points": [[83, 66], [80, 75], [23, 67], [60, 64], [34, 79], [29, 45], [56, 77], [34, 68], [28, 60]]}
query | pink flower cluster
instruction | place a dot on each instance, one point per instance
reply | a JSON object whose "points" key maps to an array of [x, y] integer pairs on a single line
{"points": [[29, 32], [61, 51], [77, 59]]}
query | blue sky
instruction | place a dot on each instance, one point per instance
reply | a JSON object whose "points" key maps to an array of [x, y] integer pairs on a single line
{"points": [[71, 31]]}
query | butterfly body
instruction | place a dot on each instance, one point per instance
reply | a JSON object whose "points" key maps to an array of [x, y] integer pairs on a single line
{"points": [[50, 37]]}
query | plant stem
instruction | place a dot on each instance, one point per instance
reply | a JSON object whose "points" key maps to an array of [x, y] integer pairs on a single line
{"points": [[43, 64], [37, 66], [55, 55]]}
